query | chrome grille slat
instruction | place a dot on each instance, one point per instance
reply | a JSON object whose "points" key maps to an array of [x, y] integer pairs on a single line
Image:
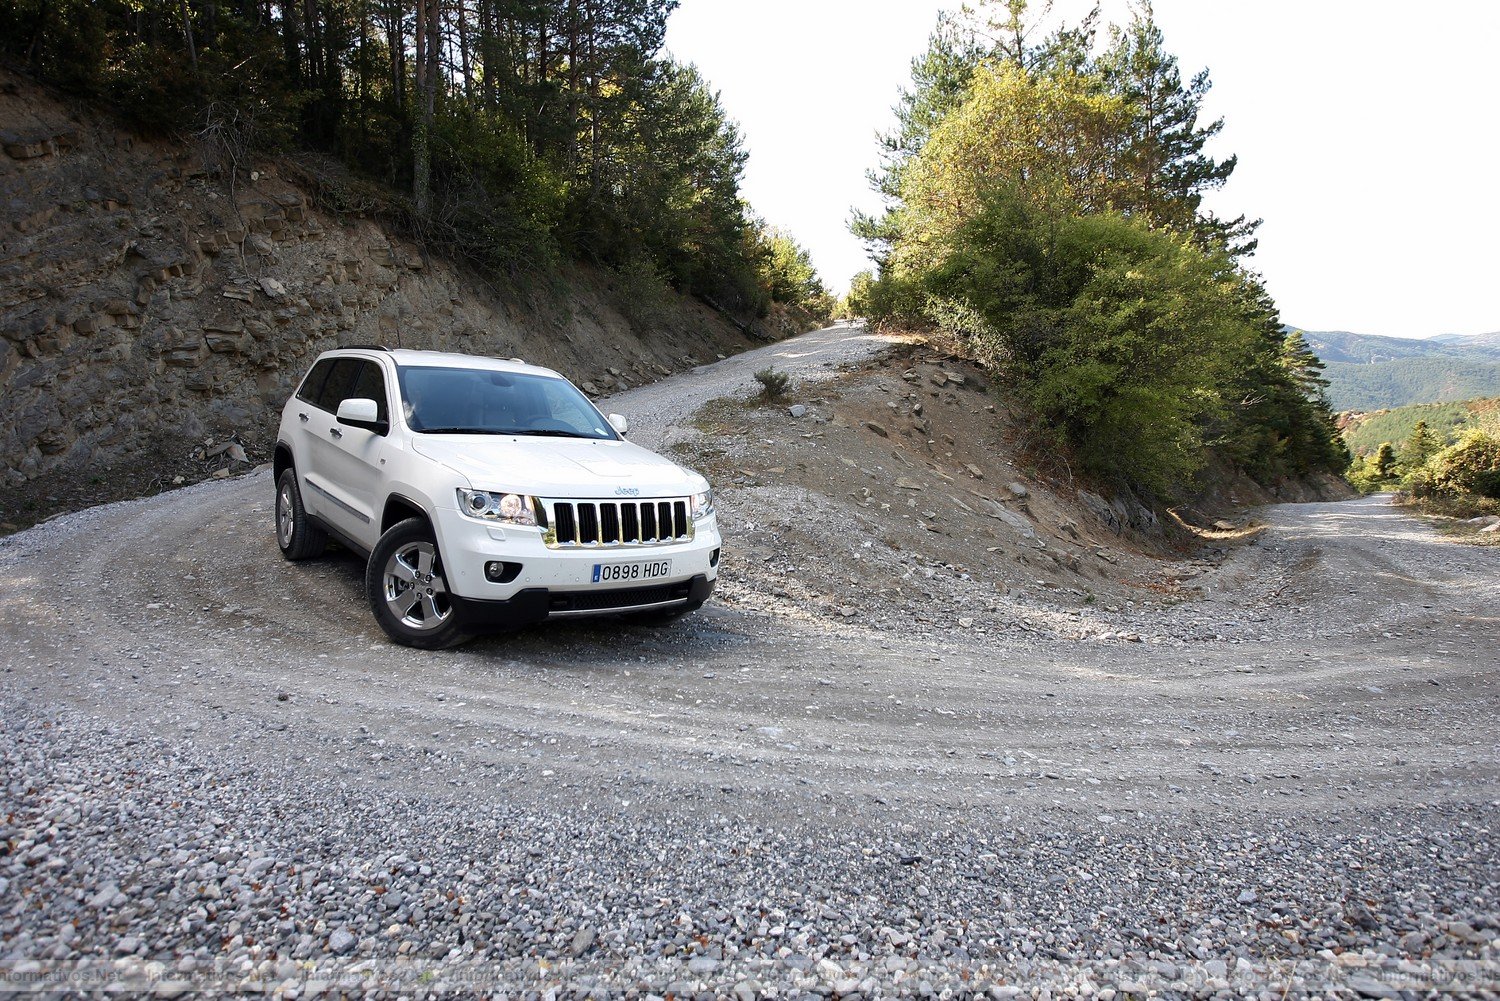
{"points": [[611, 524]]}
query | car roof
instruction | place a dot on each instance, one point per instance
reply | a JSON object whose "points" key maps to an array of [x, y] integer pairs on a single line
{"points": [[412, 358]]}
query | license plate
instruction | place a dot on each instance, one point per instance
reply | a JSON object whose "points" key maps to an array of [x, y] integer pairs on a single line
{"points": [[622, 573]]}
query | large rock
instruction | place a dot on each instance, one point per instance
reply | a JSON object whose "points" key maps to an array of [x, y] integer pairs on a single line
{"points": [[1002, 513]]}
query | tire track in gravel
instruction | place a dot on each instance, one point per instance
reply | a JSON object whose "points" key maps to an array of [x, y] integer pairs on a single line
{"points": [[177, 613], [213, 761]]}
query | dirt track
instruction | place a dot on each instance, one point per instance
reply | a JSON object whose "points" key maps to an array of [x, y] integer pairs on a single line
{"points": [[1349, 658], [217, 773]]}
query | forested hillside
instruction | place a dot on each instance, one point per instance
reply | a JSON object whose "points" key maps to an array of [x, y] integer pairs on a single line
{"points": [[1044, 208], [1364, 432], [513, 134], [1370, 349], [1410, 381], [1367, 372]]}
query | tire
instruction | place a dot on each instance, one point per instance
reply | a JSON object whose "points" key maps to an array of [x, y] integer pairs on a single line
{"points": [[408, 591], [663, 616], [299, 537]]}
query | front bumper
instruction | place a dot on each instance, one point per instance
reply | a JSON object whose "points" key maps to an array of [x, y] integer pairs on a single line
{"points": [[562, 581], [537, 603]]}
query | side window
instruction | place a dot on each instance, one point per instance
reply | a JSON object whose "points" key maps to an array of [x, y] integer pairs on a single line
{"points": [[340, 384], [312, 386], [370, 385]]}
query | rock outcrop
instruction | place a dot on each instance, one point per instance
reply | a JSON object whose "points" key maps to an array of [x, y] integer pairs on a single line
{"points": [[151, 296]]}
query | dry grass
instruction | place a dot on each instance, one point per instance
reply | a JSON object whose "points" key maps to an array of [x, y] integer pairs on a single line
{"points": [[1237, 535], [1450, 516]]}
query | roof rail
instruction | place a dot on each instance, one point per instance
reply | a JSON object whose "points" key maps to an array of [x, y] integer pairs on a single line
{"points": [[365, 347]]}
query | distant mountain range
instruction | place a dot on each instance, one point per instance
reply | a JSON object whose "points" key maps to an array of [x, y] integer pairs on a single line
{"points": [[1490, 340], [1370, 372]]}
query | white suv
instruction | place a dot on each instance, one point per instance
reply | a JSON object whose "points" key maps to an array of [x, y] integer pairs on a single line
{"points": [[488, 494]]}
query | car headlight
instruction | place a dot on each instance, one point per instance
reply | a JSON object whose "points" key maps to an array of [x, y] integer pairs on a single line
{"points": [[489, 505], [703, 505]]}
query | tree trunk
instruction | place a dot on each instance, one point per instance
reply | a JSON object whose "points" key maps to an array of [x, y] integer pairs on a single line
{"points": [[463, 49], [429, 31], [187, 35], [291, 42], [543, 57], [488, 64]]}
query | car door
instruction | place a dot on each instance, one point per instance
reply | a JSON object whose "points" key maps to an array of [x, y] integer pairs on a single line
{"points": [[346, 466], [306, 444]]}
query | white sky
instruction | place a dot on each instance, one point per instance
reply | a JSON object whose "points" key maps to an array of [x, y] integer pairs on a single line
{"points": [[1367, 132]]}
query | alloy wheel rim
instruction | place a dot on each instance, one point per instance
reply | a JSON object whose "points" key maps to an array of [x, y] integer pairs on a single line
{"points": [[415, 590], [284, 515]]}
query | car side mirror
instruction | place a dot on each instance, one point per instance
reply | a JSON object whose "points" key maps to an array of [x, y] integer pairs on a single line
{"points": [[619, 423], [362, 414]]}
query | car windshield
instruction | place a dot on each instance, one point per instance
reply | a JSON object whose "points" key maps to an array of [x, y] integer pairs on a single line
{"points": [[484, 401]]}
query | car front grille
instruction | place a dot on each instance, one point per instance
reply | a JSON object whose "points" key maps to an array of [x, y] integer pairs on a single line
{"points": [[608, 524]]}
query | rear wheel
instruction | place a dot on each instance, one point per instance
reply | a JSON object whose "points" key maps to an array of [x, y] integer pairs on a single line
{"points": [[297, 535], [408, 590]]}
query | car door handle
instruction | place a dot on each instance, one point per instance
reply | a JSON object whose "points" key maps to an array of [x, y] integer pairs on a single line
{"points": [[336, 432], [302, 418]]}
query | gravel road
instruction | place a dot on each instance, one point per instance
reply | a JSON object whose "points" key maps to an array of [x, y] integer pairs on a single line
{"points": [[656, 408], [218, 774]]}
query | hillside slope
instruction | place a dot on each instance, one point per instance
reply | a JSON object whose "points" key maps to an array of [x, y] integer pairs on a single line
{"points": [[1370, 349], [1368, 372], [1489, 340], [154, 309], [1410, 381], [1364, 432]]}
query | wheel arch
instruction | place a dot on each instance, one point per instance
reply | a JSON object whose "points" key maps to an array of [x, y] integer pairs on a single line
{"points": [[398, 508], [281, 460]]}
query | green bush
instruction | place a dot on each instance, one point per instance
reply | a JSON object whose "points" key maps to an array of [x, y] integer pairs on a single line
{"points": [[1122, 338], [1469, 467], [773, 384], [1368, 476], [641, 294]]}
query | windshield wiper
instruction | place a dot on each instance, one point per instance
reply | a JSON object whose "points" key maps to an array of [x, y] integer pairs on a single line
{"points": [[528, 432], [462, 430]]}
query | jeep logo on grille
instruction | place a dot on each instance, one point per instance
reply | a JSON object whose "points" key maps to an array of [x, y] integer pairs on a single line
{"points": [[627, 491]]}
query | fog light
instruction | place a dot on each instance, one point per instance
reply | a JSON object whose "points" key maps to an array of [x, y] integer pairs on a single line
{"points": [[713, 558], [497, 572]]}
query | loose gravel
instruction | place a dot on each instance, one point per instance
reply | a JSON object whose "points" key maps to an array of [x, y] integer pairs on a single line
{"points": [[217, 775], [144, 862]]}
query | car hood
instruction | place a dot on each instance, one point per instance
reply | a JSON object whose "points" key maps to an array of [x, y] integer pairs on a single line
{"points": [[559, 467]]}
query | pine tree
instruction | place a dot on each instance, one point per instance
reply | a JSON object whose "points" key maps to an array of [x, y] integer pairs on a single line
{"points": [[1164, 158], [1383, 463], [1420, 446], [940, 81], [1303, 365]]}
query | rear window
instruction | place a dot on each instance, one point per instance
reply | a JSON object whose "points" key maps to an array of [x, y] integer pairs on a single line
{"points": [[313, 384]]}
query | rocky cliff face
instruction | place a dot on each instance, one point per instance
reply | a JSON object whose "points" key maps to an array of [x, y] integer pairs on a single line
{"points": [[150, 299]]}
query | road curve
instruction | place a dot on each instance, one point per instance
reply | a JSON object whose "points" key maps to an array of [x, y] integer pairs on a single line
{"points": [[658, 407], [1316, 729]]}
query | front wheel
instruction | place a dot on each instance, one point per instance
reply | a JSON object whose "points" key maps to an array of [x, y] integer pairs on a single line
{"points": [[408, 590]]}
